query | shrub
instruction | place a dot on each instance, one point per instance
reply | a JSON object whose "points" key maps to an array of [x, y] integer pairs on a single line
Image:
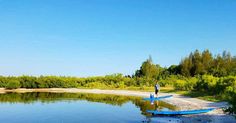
{"points": [[206, 83], [163, 82], [3, 82], [179, 84], [226, 84], [13, 84], [232, 101], [121, 85], [169, 81], [145, 82], [96, 85], [70, 82], [190, 83], [28, 82]]}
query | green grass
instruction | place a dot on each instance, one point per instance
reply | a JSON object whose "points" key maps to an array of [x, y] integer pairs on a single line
{"points": [[199, 95], [194, 94], [203, 96], [144, 89]]}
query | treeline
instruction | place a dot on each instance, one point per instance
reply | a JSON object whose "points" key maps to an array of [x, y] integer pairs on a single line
{"points": [[102, 82], [197, 63], [109, 81]]}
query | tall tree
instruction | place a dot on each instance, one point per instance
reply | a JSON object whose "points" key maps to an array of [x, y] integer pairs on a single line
{"points": [[227, 61], [233, 69], [198, 67], [207, 60], [174, 69], [185, 66]]}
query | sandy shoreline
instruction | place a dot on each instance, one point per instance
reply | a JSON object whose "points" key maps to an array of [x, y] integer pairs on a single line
{"points": [[182, 102]]}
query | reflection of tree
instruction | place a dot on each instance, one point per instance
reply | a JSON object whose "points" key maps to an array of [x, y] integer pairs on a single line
{"points": [[53, 97], [158, 105], [45, 97]]}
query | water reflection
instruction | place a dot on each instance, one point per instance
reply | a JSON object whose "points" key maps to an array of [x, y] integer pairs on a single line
{"points": [[114, 100], [162, 119]]}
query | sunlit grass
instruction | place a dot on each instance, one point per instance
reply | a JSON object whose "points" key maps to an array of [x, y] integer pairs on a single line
{"points": [[170, 89], [194, 94]]}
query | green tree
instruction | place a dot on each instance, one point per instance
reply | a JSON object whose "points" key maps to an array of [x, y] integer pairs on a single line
{"points": [[186, 66], [148, 69], [174, 69], [207, 60], [198, 67], [198, 63], [163, 73], [233, 66], [218, 68]]}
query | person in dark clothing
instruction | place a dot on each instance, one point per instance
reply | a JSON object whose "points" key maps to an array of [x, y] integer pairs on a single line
{"points": [[157, 89]]}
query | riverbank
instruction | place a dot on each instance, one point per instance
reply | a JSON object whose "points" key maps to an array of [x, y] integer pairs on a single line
{"points": [[182, 102]]}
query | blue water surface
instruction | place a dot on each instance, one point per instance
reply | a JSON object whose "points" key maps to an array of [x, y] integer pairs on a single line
{"points": [[28, 109]]}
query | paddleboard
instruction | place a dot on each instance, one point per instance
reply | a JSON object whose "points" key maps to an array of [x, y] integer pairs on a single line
{"points": [[158, 98], [184, 112]]}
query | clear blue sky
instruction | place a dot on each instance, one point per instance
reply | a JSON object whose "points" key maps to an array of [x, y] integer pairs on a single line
{"points": [[99, 37]]}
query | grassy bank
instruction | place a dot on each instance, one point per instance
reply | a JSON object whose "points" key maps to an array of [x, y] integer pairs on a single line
{"points": [[194, 94]]}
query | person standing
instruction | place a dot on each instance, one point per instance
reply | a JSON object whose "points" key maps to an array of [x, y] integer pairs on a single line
{"points": [[157, 89]]}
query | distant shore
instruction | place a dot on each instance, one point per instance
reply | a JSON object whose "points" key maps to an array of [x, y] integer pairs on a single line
{"points": [[182, 102]]}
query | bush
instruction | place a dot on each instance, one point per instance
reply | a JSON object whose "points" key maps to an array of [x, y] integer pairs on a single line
{"points": [[169, 81], [96, 85], [190, 83], [232, 101], [206, 83], [13, 84], [3, 82], [226, 84], [51, 82], [145, 82], [70, 83], [180, 85], [164, 82], [121, 85], [28, 82]]}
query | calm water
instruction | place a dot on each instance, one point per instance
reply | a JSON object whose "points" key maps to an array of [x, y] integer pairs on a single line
{"points": [[77, 108]]}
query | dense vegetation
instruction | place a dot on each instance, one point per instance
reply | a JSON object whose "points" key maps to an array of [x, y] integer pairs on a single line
{"points": [[110, 81], [199, 72]]}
